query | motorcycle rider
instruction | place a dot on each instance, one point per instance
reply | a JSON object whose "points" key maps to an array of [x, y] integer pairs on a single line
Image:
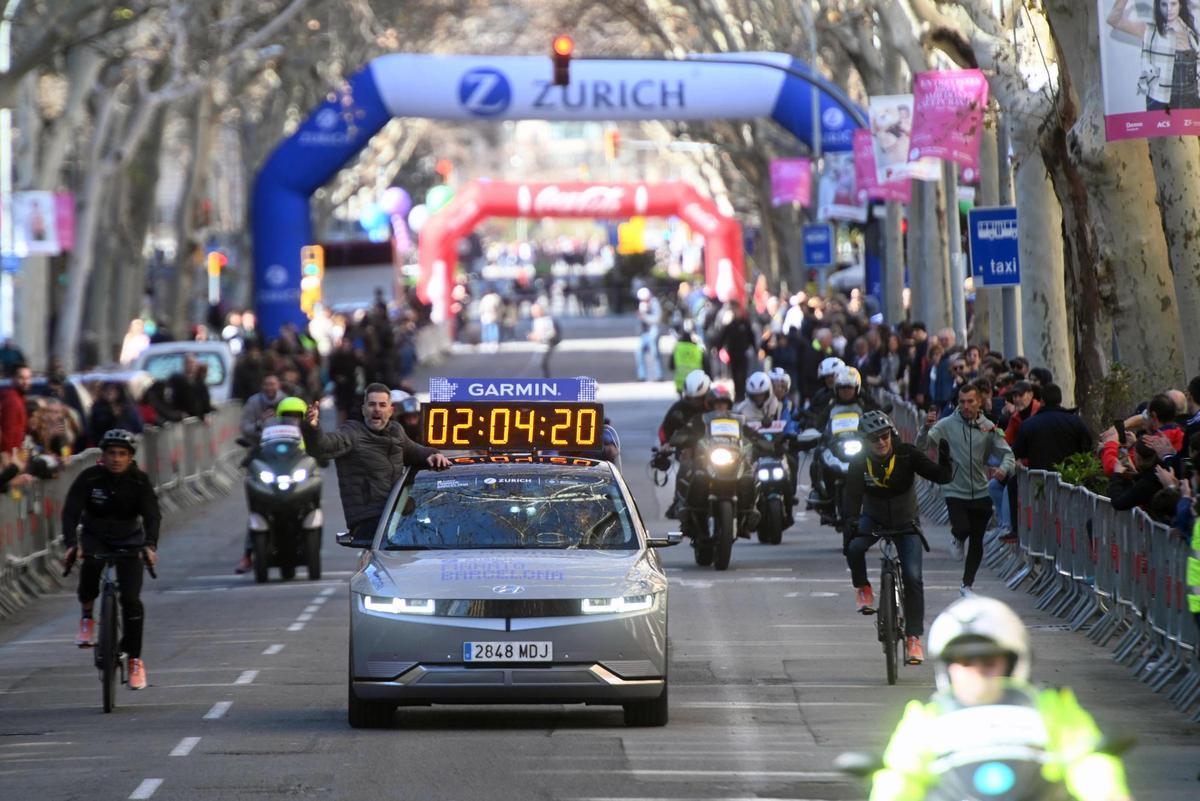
{"points": [[826, 374], [760, 406], [881, 493], [847, 400], [781, 386], [406, 409], [981, 650], [289, 412], [692, 405], [118, 509]]}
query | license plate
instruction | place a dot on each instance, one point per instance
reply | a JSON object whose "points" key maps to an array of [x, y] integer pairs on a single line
{"points": [[508, 651]]}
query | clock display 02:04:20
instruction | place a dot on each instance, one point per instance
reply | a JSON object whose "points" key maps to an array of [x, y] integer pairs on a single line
{"points": [[500, 425]]}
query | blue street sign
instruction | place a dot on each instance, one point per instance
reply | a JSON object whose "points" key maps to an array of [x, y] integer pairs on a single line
{"points": [[10, 264], [455, 390], [818, 245], [995, 257]]}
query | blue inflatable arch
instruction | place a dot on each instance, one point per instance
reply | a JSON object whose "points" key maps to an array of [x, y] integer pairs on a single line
{"points": [[702, 87]]}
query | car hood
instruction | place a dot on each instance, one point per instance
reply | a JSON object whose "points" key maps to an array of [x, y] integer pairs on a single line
{"points": [[473, 574]]}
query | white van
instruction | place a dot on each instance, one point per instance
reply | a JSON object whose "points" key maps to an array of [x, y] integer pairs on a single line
{"points": [[162, 360]]}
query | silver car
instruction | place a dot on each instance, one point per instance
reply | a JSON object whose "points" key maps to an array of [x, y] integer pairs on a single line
{"points": [[510, 580]]}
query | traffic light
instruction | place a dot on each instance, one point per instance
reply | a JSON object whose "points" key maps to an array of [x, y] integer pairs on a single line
{"points": [[312, 273], [612, 143], [562, 49]]}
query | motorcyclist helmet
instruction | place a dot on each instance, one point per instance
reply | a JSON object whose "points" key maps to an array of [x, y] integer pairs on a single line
{"points": [[758, 388], [398, 396], [781, 382], [848, 377], [719, 399], [973, 627], [874, 424], [410, 405], [829, 367], [291, 405], [120, 438], [696, 385]]}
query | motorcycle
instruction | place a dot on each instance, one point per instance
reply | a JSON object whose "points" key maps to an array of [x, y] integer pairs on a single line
{"points": [[775, 485], [841, 442], [719, 490], [283, 494]]}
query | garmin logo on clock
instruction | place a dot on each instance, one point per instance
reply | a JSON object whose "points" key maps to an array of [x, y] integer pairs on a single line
{"points": [[515, 389]]}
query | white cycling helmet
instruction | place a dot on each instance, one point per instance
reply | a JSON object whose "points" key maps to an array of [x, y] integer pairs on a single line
{"points": [[758, 388], [978, 627], [830, 367], [781, 381], [847, 377], [696, 385]]}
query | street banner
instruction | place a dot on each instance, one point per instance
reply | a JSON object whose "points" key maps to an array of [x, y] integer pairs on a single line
{"points": [[837, 196], [948, 108], [1143, 97], [64, 220], [869, 187], [891, 118], [791, 182], [34, 224]]}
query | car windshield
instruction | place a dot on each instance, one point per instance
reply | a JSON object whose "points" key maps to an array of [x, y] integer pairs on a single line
{"points": [[510, 509], [164, 365]]}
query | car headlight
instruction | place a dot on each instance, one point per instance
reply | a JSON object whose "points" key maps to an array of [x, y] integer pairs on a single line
{"points": [[266, 477], [398, 606], [721, 457], [615, 606], [299, 475], [852, 447]]}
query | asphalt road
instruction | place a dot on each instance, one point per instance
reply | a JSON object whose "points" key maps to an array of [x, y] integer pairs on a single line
{"points": [[772, 676]]}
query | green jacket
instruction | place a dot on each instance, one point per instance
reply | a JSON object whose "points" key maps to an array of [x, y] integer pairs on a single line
{"points": [[1069, 734], [971, 443], [1193, 571], [686, 357]]}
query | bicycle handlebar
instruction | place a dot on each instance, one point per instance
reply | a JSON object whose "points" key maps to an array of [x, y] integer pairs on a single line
{"points": [[111, 556]]}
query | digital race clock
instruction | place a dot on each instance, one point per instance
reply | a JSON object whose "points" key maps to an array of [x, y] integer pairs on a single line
{"points": [[513, 426]]}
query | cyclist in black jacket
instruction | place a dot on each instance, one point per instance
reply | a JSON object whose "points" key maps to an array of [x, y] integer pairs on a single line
{"points": [[880, 493], [118, 508]]}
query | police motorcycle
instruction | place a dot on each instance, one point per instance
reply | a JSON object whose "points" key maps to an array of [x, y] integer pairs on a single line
{"points": [[283, 494], [775, 481], [718, 492], [839, 443]]}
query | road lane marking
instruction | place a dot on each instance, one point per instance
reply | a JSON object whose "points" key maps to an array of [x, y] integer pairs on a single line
{"points": [[312, 609], [812, 775], [329, 591], [247, 677], [320, 599], [304, 618], [185, 746], [273, 649], [145, 789], [295, 627], [218, 710]]}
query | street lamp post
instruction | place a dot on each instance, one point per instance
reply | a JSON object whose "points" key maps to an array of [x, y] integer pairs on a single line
{"points": [[7, 239]]}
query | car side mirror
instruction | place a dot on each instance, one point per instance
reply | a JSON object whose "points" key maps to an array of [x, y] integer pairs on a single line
{"points": [[666, 541], [346, 539]]}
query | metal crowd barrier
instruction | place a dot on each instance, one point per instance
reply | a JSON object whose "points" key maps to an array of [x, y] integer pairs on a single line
{"points": [[188, 463], [1119, 575]]}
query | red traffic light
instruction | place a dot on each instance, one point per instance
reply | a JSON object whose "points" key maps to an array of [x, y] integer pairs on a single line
{"points": [[561, 51], [563, 46]]}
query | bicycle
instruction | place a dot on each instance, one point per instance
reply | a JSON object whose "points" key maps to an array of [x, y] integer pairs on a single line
{"points": [[109, 660], [889, 621]]}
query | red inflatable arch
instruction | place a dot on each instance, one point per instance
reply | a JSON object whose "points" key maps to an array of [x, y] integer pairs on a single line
{"points": [[438, 254]]}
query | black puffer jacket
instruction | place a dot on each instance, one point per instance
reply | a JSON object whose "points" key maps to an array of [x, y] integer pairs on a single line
{"points": [[118, 510], [369, 463]]}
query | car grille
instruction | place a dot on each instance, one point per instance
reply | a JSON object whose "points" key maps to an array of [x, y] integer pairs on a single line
{"points": [[497, 608]]}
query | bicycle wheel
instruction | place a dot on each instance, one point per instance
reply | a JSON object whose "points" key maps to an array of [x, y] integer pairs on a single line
{"points": [[108, 642], [887, 624]]}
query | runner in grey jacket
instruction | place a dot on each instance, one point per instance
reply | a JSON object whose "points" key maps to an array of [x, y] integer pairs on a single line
{"points": [[973, 438]]}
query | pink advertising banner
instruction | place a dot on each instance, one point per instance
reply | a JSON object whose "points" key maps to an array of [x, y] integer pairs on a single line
{"points": [[948, 108], [791, 182], [64, 218], [1143, 96], [865, 175]]}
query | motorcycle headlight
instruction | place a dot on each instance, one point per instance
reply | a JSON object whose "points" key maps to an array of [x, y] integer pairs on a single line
{"points": [[722, 457], [614, 606], [764, 474], [777, 473], [299, 475], [266, 477], [398, 606], [852, 447]]}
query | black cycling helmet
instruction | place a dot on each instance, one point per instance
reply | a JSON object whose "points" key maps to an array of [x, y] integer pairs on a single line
{"points": [[719, 394], [875, 423], [119, 437]]}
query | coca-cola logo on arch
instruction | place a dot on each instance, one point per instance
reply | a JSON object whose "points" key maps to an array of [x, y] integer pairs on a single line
{"points": [[595, 200]]}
